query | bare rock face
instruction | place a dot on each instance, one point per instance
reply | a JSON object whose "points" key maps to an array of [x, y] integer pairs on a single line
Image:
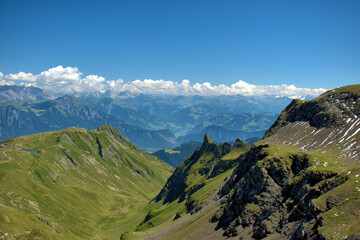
{"points": [[272, 195]]}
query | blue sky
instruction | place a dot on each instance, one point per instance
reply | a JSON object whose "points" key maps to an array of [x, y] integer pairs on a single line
{"points": [[309, 44]]}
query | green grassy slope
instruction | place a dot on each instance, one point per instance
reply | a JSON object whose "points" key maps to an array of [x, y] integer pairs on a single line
{"points": [[191, 192], [74, 184]]}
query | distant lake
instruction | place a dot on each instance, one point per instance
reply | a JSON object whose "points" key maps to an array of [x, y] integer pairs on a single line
{"points": [[30, 150]]}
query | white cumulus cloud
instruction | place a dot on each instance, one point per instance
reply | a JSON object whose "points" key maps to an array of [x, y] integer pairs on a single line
{"points": [[93, 83], [238, 88], [21, 76], [3, 82], [70, 79], [60, 76]]}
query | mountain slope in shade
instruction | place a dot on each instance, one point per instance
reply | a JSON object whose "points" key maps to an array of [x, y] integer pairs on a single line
{"points": [[74, 183], [67, 111]]}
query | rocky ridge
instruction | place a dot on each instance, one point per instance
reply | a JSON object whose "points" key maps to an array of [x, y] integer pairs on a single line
{"points": [[291, 184], [329, 122]]}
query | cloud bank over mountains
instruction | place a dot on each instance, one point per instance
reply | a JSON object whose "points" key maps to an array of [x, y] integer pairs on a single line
{"points": [[70, 79]]}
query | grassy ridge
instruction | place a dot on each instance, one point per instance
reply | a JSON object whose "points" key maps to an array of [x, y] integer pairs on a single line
{"points": [[75, 183]]}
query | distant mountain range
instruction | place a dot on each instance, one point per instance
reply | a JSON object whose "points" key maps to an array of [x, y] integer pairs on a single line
{"points": [[229, 127], [127, 114], [183, 113], [17, 119], [151, 122], [224, 118], [25, 94]]}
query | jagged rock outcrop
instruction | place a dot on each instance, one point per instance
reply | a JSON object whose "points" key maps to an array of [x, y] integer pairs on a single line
{"points": [[273, 195], [206, 161], [177, 184]]}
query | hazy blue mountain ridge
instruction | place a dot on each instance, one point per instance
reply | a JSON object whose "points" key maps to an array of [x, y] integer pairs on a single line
{"points": [[147, 120], [68, 111], [229, 127]]}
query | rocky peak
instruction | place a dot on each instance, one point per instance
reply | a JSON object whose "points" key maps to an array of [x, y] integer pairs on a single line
{"points": [[239, 144], [126, 94], [330, 122], [209, 146], [109, 94], [207, 140], [203, 162], [331, 109]]}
